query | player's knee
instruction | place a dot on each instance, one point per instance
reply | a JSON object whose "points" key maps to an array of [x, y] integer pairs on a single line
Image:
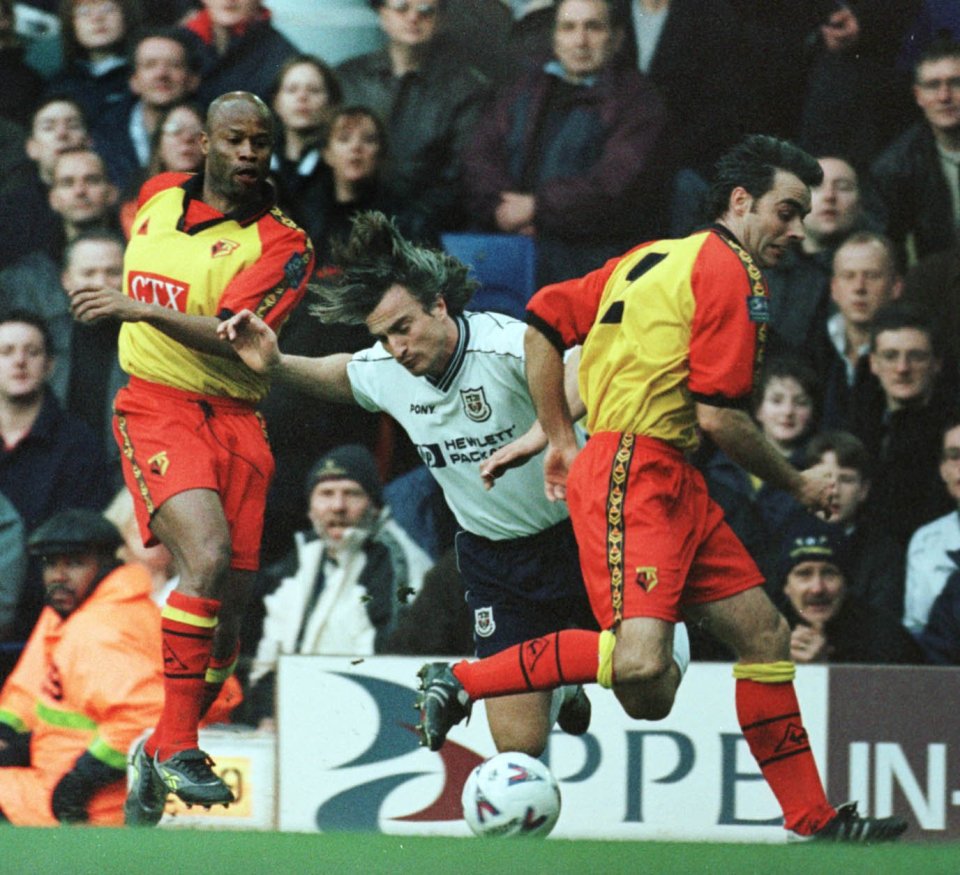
{"points": [[651, 699], [640, 669]]}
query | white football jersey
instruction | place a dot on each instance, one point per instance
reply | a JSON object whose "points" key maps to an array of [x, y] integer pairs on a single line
{"points": [[480, 404]]}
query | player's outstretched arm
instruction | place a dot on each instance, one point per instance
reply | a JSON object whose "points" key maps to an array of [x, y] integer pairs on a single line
{"points": [[738, 436], [256, 344], [513, 454], [92, 305]]}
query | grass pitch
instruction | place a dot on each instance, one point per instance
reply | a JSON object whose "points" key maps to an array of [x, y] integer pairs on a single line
{"points": [[87, 851]]}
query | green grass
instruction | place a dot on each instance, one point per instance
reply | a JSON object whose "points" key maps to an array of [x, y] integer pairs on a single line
{"points": [[79, 851]]}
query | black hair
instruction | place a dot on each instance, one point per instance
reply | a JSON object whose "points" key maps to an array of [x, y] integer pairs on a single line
{"points": [[940, 48], [905, 314], [29, 317], [752, 165], [788, 365], [851, 452]]}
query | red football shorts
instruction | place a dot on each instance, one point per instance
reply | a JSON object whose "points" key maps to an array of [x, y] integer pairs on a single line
{"points": [[650, 537], [171, 441]]}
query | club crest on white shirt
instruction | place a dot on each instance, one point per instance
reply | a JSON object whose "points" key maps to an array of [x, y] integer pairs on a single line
{"points": [[475, 404], [483, 622]]}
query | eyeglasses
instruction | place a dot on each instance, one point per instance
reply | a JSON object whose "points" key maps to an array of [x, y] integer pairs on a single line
{"points": [[427, 10]]}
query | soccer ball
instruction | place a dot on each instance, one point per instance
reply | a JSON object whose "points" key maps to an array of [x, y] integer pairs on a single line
{"points": [[511, 794]]}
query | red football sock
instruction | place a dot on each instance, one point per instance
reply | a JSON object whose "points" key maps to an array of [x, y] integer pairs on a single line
{"points": [[218, 670], [187, 625], [769, 716], [566, 657]]}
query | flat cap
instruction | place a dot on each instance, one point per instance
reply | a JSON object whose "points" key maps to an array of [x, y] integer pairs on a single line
{"points": [[74, 531]]}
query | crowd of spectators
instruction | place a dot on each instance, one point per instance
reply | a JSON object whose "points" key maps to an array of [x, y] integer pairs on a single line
{"points": [[590, 129]]}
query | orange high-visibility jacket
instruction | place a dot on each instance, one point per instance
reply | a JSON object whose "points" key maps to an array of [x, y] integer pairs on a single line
{"points": [[92, 682]]}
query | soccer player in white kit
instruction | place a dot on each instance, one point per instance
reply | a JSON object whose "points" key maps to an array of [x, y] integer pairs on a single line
{"points": [[455, 382]]}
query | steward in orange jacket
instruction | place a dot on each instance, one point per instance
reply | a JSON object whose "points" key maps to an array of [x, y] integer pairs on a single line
{"points": [[87, 684]]}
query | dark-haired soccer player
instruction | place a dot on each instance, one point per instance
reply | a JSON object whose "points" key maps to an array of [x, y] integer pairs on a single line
{"points": [[193, 447], [672, 336]]}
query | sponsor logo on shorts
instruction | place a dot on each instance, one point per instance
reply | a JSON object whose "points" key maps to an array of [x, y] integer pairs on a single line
{"points": [[647, 577], [475, 404], [483, 622], [159, 463]]}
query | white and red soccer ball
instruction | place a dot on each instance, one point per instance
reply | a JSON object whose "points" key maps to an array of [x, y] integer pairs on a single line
{"points": [[511, 794]]}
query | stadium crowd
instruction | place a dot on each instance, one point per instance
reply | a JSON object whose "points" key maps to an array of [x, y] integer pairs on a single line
{"points": [[587, 136]]}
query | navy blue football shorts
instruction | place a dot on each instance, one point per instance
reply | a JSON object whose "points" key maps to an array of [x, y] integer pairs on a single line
{"points": [[522, 588]]}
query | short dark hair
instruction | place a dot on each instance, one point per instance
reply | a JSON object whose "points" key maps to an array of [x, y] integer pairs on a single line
{"points": [[782, 366], [905, 314], [850, 451], [940, 48], [951, 422], [175, 35], [375, 257], [57, 97], [29, 317], [752, 165]]}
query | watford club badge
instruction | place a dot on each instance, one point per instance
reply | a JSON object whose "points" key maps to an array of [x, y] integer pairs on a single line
{"points": [[475, 404], [159, 463], [223, 247], [647, 577]]}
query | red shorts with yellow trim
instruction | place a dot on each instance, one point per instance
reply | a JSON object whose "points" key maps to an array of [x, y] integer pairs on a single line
{"points": [[651, 539], [171, 441]]}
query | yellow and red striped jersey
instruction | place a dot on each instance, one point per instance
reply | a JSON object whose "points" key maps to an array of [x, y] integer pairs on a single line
{"points": [[668, 323], [188, 256]]}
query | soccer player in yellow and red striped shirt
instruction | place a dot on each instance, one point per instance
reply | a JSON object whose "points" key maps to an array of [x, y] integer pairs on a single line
{"points": [[672, 336], [193, 448]]}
